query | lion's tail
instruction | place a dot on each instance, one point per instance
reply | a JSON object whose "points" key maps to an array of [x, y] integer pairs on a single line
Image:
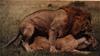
{"points": [[12, 40]]}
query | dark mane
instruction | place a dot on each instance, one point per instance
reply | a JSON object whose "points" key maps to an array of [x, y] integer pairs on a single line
{"points": [[77, 8], [73, 10]]}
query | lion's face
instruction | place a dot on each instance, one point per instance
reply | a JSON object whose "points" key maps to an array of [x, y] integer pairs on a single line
{"points": [[81, 19]]}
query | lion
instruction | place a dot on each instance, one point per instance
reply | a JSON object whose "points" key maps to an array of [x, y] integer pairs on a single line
{"points": [[62, 44], [70, 44], [52, 23], [41, 23], [40, 43], [90, 44], [65, 44], [80, 18]]}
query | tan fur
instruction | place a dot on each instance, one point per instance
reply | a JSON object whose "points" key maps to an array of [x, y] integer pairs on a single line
{"points": [[90, 42], [67, 44], [40, 43]]}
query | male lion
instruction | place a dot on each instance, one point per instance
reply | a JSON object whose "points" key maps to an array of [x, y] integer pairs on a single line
{"points": [[54, 24], [42, 22]]}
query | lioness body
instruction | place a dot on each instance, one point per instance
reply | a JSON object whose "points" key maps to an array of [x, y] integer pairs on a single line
{"points": [[40, 43], [68, 43], [65, 44]]}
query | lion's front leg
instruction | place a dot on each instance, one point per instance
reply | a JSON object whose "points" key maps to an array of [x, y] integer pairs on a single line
{"points": [[80, 52], [52, 38]]}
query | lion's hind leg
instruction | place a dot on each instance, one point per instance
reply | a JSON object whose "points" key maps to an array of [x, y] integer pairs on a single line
{"points": [[27, 33]]}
